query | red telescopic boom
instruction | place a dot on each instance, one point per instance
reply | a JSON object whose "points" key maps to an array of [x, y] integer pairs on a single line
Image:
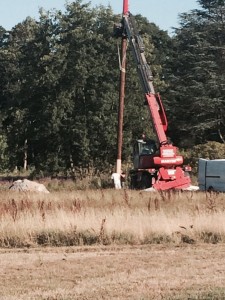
{"points": [[125, 7]]}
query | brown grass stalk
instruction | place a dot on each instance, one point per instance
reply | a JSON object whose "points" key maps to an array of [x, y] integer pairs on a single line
{"points": [[126, 217]]}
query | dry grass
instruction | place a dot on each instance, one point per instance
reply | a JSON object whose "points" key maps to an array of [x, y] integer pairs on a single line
{"points": [[119, 272], [144, 245], [110, 217]]}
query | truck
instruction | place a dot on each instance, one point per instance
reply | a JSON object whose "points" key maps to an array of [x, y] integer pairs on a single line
{"points": [[156, 164], [211, 175]]}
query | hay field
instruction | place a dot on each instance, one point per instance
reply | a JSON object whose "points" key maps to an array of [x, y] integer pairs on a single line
{"points": [[109, 217]]}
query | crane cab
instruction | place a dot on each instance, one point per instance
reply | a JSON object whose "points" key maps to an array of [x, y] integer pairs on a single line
{"points": [[143, 153], [142, 174]]}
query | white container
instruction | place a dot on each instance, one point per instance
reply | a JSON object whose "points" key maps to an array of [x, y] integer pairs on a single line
{"points": [[211, 175]]}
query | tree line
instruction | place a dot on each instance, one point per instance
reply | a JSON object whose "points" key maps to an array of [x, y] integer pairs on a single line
{"points": [[59, 85]]}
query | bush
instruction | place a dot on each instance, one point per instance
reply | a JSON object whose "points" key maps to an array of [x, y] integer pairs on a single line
{"points": [[210, 150]]}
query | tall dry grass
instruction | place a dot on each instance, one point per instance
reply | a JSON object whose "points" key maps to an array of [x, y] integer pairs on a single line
{"points": [[110, 216]]}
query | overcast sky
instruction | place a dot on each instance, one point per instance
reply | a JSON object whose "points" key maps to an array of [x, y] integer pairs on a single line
{"points": [[163, 13]]}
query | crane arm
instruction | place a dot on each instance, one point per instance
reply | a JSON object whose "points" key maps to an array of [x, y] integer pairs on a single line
{"points": [[153, 100]]}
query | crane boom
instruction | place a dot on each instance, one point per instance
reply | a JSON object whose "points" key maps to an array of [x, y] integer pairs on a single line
{"points": [[144, 71], [125, 7]]}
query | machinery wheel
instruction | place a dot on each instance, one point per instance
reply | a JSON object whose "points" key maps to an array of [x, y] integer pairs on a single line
{"points": [[133, 182], [146, 181]]}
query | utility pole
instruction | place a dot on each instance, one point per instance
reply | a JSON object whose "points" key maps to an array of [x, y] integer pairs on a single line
{"points": [[121, 95]]}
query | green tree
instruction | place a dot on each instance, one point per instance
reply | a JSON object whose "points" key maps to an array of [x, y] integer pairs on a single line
{"points": [[197, 76], [60, 88]]}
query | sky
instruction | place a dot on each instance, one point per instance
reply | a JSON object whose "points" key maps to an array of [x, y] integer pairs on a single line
{"points": [[163, 13]]}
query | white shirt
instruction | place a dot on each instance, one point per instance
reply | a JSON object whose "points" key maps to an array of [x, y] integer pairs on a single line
{"points": [[116, 179]]}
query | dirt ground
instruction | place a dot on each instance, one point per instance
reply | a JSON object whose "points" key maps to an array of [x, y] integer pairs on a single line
{"points": [[115, 272]]}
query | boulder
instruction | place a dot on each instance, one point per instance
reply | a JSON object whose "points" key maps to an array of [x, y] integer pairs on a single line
{"points": [[26, 185]]}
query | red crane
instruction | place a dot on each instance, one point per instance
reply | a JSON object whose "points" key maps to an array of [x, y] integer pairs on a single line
{"points": [[154, 166]]}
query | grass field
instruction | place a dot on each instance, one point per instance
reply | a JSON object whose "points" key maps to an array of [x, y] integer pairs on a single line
{"points": [[110, 244], [114, 272], [108, 217]]}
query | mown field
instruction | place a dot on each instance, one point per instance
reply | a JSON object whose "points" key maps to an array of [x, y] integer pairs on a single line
{"points": [[110, 244], [114, 272]]}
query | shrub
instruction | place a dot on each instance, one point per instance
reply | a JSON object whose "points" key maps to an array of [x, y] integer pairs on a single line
{"points": [[210, 150]]}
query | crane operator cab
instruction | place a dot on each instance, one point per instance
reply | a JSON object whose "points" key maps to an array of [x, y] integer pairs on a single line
{"points": [[143, 174], [143, 153]]}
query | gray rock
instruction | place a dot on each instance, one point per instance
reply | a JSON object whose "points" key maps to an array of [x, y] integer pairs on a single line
{"points": [[26, 185]]}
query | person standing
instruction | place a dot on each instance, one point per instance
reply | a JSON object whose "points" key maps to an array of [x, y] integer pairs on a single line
{"points": [[117, 180]]}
